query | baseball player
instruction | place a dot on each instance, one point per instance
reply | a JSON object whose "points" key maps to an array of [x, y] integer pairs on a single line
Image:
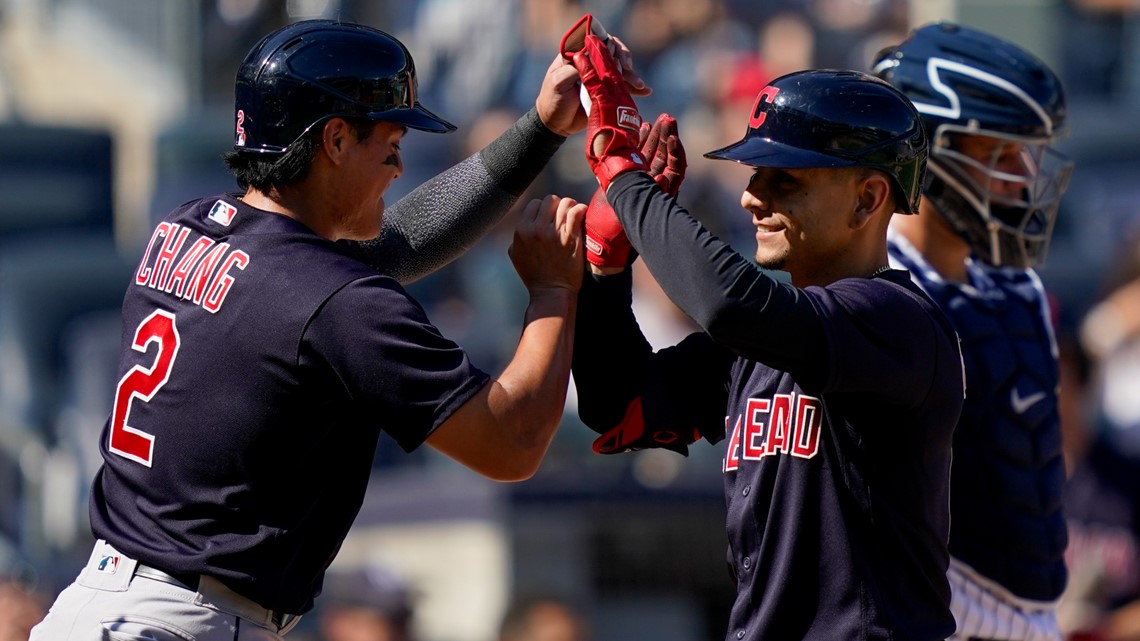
{"points": [[835, 395], [993, 111], [261, 357]]}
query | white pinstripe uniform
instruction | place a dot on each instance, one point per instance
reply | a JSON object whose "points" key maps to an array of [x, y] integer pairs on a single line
{"points": [[985, 610]]}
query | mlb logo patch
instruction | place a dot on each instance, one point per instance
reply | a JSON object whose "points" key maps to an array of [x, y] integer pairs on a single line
{"points": [[222, 213], [108, 564]]}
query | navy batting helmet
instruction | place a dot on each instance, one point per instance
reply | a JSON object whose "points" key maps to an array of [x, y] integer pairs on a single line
{"points": [[833, 118], [966, 82], [312, 70]]}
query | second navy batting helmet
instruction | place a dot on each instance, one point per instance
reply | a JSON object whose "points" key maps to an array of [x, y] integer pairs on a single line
{"points": [[833, 118], [312, 70], [966, 82]]}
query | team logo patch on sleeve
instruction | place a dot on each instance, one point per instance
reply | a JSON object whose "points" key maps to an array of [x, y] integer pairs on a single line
{"points": [[222, 213]]}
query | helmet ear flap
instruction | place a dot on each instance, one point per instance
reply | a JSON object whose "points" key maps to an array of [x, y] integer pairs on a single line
{"points": [[928, 181]]}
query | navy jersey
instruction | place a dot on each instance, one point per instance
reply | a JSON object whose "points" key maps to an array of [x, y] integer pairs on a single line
{"points": [[259, 364], [1009, 473], [835, 408]]}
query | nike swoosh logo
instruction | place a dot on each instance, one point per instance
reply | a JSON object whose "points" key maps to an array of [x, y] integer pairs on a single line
{"points": [[1020, 405]]}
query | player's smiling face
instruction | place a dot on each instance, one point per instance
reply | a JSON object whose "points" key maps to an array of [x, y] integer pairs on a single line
{"points": [[799, 215]]}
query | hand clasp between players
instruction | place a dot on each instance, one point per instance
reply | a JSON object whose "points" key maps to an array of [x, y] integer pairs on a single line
{"points": [[614, 123], [617, 141], [608, 249], [558, 101], [547, 246]]}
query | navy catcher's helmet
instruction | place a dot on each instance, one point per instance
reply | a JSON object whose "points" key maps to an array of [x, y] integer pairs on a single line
{"points": [[967, 82], [312, 70], [833, 118]]}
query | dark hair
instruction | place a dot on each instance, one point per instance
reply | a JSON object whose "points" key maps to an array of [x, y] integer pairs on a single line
{"points": [[267, 172]]}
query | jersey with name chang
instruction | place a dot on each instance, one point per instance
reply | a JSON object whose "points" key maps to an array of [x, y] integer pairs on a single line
{"points": [[259, 364]]}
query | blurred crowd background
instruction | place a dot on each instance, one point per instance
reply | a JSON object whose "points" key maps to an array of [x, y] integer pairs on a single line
{"points": [[112, 112]]}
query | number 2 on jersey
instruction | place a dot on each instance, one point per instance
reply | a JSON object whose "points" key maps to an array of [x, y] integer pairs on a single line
{"points": [[142, 383]]}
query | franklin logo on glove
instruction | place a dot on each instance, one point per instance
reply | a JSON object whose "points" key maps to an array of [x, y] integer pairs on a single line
{"points": [[629, 118]]}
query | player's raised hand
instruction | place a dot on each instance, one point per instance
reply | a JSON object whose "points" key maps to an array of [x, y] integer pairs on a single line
{"points": [[624, 58], [662, 149], [557, 103], [612, 130], [547, 247], [607, 246], [558, 100]]}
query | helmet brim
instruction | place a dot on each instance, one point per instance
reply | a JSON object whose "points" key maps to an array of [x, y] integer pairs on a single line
{"points": [[763, 152], [414, 118]]}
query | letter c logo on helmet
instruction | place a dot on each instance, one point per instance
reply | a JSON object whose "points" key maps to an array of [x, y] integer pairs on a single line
{"points": [[768, 95]]}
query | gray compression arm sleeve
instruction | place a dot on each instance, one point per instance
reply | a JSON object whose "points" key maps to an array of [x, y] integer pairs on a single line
{"points": [[445, 216]]}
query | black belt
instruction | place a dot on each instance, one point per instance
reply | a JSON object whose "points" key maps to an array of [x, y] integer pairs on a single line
{"points": [[190, 582]]}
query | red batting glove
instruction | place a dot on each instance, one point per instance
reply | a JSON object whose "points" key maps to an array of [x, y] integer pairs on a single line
{"points": [[575, 37], [631, 435], [606, 242], [662, 147], [674, 171], [613, 115]]}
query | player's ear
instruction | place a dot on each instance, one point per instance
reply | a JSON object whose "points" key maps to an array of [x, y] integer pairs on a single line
{"points": [[873, 194], [335, 136]]}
